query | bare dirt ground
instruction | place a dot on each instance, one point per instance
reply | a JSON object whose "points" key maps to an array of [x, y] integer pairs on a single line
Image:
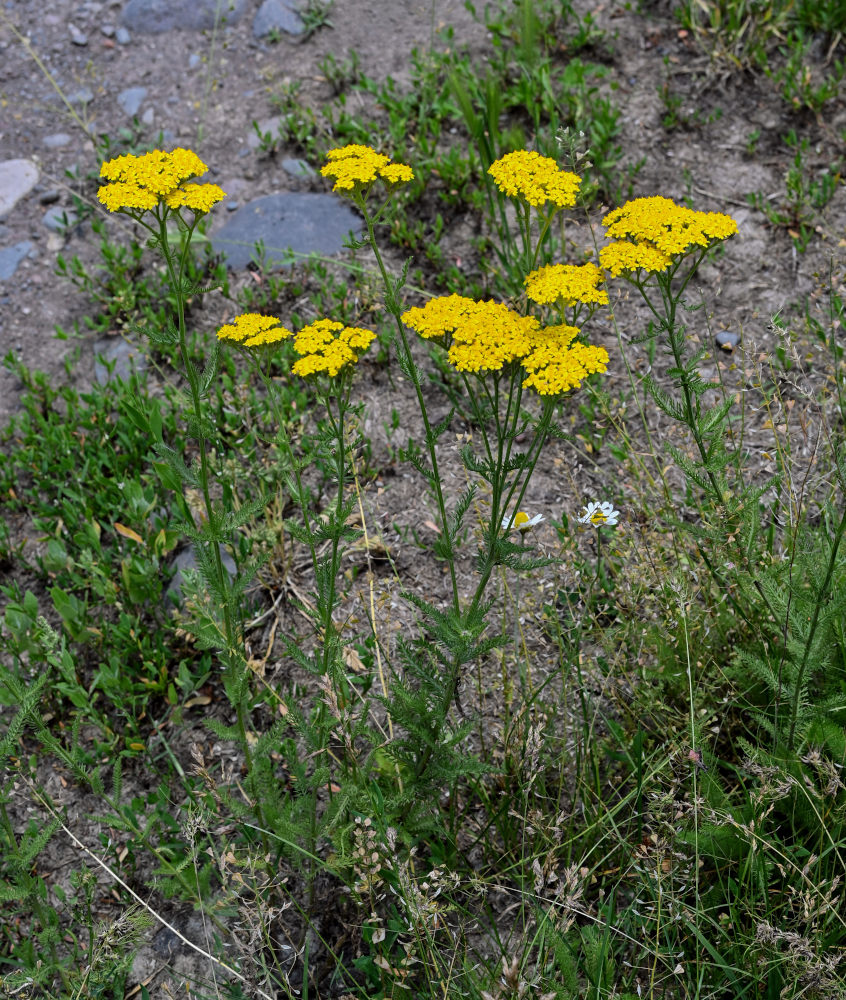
{"points": [[204, 89]]}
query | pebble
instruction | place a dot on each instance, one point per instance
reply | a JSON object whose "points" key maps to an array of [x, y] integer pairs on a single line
{"points": [[153, 17], [194, 60], [17, 178], [56, 140], [49, 197], [187, 559], [76, 36], [131, 98], [726, 340], [108, 30], [148, 116], [126, 357], [122, 36], [304, 223], [297, 168], [277, 15], [82, 96], [269, 126], [59, 220], [11, 256]]}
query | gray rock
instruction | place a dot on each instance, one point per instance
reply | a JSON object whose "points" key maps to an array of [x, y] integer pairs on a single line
{"points": [[187, 559], [49, 197], [108, 30], [148, 116], [59, 220], [194, 60], [11, 256], [122, 36], [17, 178], [126, 357], [131, 98], [153, 17], [56, 140], [269, 126], [297, 168], [304, 223], [726, 340], [76, 36], [82, 96], [277, 15]]}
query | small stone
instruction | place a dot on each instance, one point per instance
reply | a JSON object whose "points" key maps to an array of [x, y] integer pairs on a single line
{"points": [[291, 221], [56, 140], [17, 178], [131, 98], [49, 197], [194, 60], [297, 168], [11, 256], [270, 126], [122, 36], [82, 96], [76, 36], [233, 206], [157, 16], [59, 220], [726, 340], [147, 117], [108, 30], [187, 559], [275, 16], [125, 356]]}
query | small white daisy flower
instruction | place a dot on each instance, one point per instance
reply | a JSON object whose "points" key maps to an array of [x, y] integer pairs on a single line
{"points": [[521, 521], [599, 514]]}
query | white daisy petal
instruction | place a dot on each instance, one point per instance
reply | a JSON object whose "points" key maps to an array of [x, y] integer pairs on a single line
{"points": [[521, 521], [599, 514]]}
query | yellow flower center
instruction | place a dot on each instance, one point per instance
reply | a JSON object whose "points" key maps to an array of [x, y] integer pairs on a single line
{"points": [[521, 517]]}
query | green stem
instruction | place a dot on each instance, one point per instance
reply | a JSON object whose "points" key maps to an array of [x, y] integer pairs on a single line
{"points": [[394, 309], [822, 596]]}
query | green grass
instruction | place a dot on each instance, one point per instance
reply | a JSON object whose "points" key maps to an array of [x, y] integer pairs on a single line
{"points": [[587, 763]]}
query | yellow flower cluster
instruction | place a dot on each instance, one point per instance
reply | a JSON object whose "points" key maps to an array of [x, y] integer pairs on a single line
{"points": [[571, 283], [624, 256], [254, 330], [556, 364], [651, 231], [356, 166], [327, 346], [484, 337], [535, 179], [141, 182]]}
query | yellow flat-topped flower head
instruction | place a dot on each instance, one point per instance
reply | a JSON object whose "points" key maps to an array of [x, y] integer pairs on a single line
{"points": [[558, 363], [568, 283], [355, 167], [480, 337], [140, 183], [254, 330], [651, 232], [618, 258], [328, 347], [535, 179], [440, 316]]}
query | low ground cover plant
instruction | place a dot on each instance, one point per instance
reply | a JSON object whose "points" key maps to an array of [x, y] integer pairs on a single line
{"points": [[592, 752]]}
